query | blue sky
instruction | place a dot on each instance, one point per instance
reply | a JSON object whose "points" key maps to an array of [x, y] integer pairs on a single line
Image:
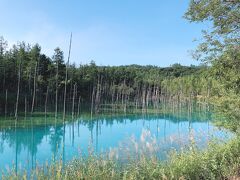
{"points": [[110, 32]]}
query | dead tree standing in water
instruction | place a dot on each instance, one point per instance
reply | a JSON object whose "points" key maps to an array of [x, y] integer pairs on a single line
{"points": [[66, 79], [73, 101], [18, 87], [34, 88]]}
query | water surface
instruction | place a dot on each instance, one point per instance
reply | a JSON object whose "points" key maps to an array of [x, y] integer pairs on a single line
{"points": [[35, 143]]}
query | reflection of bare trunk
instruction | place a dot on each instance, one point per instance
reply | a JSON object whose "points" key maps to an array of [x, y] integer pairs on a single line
{"points": [[63, 144], [16, 151], [18, 89], [32, 144], [34, 89], [97, 136]]}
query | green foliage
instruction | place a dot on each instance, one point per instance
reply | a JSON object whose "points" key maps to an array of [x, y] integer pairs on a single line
{"points": [[220, 48], [130, 82], [224, 33]]}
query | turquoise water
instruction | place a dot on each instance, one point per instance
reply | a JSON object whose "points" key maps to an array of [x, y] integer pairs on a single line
{"points": [[27, 146]]}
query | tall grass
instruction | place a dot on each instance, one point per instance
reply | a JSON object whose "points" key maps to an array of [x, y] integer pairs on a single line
{"points": [[217, 161]]}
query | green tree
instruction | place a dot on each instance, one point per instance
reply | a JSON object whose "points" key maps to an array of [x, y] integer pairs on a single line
{"points": [[220, 48]]}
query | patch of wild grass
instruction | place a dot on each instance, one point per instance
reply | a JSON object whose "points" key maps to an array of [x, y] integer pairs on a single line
{"points": [[217, 161]]}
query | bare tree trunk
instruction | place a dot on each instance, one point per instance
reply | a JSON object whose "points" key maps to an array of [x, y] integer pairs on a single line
{"points": [[18, 88], [66, 79], [113, 95], [34, 89], [137, 97], [25, 106], [148, 95], [29, 82], [73, 101], [4, 78], [56, 94], [98, 95], [144, 97], [93, 94], [79, 101], [46, 99], [6, 102]]}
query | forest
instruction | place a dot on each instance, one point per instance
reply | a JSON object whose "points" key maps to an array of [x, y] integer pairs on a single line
{"points": [[32, 81]]}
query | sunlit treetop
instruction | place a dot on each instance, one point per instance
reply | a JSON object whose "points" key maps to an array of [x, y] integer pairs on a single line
{"points": [[224, 15]]}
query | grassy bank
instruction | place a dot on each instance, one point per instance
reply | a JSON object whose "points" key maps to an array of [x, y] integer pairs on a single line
{"points": [[218, 161]]}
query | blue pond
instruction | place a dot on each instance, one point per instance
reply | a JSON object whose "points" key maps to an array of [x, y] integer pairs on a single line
{"points": [[31, 145]]}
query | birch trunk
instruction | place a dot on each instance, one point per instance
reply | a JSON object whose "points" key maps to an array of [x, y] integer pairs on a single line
{"points": [[34, 88], [6, 102], [18, 88], [66, 79], [73, 101], [56, 94], [46, 100]]}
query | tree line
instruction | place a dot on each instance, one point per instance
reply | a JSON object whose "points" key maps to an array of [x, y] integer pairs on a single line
{"points": [[32, 81]]}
